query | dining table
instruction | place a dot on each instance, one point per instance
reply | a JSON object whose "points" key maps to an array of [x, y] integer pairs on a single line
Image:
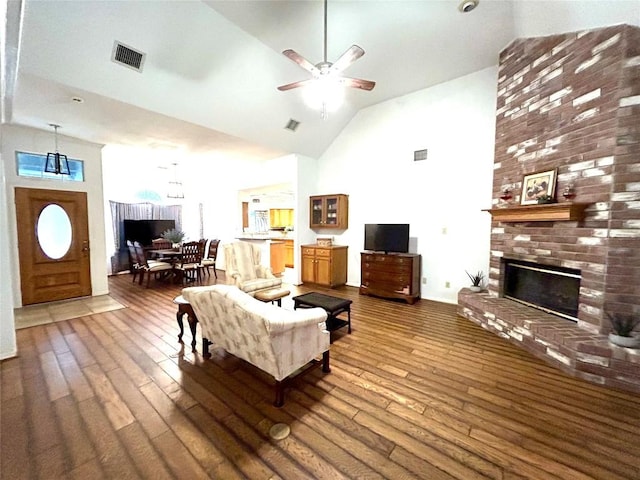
{"points": [[170, 253]]}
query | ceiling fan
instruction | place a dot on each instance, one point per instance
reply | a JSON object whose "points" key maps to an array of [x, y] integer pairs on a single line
{"points": [[325, 69]]}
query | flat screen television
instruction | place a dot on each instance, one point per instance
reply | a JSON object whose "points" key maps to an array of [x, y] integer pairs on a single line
{"points": [[144, 231], [386, 237]]}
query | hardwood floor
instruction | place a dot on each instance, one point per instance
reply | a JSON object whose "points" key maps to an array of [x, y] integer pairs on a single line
{"points": [[414, 392]]}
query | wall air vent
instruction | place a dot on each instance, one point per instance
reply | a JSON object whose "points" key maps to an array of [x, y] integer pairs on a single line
{"points": [[420, 155], [292, 125], [127, 56]]}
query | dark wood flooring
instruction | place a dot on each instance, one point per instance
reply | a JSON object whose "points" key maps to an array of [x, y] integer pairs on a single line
{"points": [[414, 392]]}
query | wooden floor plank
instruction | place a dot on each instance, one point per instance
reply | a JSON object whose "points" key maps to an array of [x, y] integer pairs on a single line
{"points": [[415, 392], [79, 448], [112, 456], [146, 459]]}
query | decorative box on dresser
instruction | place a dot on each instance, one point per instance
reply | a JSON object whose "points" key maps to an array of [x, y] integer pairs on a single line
{"points": [[324, 265], [390, 275]]}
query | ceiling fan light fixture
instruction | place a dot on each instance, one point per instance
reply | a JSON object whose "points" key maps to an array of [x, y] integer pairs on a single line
{"points": [[325, 90], [467, 6], [324, 93]]}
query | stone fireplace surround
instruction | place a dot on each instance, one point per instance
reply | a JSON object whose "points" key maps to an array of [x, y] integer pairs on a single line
{"points": [[570, 102]]}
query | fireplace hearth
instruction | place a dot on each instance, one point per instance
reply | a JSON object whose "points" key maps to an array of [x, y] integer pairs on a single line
{"points": [[552, 289]]}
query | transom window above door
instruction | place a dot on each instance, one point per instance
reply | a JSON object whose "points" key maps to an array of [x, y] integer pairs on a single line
{"points": [[32, 165]]}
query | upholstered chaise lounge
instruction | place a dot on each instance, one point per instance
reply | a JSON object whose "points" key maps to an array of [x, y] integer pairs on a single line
{"points": [[275, 340]]}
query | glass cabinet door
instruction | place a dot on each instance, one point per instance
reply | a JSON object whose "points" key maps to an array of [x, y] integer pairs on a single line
{"points": [[331, 211], [316, 211]]}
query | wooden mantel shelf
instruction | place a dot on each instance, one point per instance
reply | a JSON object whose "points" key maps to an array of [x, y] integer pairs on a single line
{"points": [[550, 212]]}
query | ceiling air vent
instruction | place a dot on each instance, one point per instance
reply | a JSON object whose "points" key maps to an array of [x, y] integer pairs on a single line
{"points": [[127, 56], [292, 125], [420, 155]]}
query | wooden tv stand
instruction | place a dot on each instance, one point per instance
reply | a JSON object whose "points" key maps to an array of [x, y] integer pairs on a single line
{"points": [[390, 275]]}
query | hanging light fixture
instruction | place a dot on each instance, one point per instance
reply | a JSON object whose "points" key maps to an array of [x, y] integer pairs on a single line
{"points": [[175, 187], [56, 162]]}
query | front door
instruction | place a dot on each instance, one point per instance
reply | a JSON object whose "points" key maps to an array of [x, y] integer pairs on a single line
{"points": [[53, 244]]}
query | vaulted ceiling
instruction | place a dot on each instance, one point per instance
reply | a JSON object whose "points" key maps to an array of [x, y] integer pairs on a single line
{"points": [[211, 68]]}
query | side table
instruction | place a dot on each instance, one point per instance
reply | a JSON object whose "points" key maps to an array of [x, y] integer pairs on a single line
{"points": [[184, 307]]}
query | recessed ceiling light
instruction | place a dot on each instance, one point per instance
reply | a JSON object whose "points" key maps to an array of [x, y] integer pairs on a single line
{"points": [[77, 99], [468, 5]]}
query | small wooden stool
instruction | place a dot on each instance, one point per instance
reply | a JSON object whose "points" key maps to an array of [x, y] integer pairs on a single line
{"points": [[185, 307], [272, 295]]}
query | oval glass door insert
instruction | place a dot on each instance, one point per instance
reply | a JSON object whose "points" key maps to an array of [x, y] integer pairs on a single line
{"points": [[54, 231]]}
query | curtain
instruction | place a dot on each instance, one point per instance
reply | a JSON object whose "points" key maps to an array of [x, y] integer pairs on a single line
{"points": [[137, 211]]}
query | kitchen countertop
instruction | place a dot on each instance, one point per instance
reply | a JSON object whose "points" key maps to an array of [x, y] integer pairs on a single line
{"points": [[257, 236]]}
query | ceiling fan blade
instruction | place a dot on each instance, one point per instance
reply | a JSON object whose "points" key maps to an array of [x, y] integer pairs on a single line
{"points": [[358, 83], [300, 60], [289, 86], [351, 55]]}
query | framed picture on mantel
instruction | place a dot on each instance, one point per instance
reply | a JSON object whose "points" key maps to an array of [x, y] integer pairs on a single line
{"points": [[537, 185]]}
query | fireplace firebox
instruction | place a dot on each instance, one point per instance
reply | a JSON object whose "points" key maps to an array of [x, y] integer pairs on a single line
{"points": [[553, 289]]}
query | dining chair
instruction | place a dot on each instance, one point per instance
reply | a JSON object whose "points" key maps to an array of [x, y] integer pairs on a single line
{"points": [[189, 265], [202, 246], [150, 267], [135, 268], [210, 259]]}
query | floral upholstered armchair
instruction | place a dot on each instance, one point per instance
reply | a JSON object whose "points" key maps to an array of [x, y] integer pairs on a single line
{"points": [[277, 341], [243, 268]]}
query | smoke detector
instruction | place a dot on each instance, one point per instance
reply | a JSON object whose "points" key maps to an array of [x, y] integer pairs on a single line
{"points": [[468, 5]]}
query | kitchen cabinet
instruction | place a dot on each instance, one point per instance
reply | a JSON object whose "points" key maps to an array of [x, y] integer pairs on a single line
{"points": [[329, 211], [288, 253], [276, 255], [324, 265], [280, 217]]}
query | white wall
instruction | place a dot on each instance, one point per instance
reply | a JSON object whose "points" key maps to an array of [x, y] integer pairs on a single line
{"points": [[31, 140], [540, 18], [441, 197], [8, 347]]}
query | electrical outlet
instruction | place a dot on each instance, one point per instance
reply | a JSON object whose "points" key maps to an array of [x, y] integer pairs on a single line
{"points": [[444, 230], [447, 284], [424, 280]]}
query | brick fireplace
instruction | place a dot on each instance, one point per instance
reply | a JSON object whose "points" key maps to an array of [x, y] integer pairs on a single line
{"points": [[570, 103]]}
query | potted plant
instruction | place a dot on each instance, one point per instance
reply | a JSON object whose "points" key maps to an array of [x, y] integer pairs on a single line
{"points": [[623, 325], [174, 236], [476, 281]]}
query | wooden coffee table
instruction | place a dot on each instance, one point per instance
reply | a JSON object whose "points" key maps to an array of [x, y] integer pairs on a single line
{"points": [[334, 306]]}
